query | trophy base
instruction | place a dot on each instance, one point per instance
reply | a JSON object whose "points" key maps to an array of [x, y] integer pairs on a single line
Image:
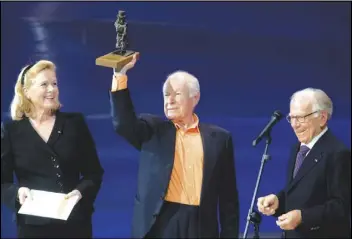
{"points": [[115, 59]]}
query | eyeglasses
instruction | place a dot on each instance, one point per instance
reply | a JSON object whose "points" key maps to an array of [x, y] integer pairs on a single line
{"points": [[300, 119]]}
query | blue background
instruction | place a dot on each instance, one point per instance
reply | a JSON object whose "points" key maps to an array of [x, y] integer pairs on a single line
{"points": [[248, 56]]}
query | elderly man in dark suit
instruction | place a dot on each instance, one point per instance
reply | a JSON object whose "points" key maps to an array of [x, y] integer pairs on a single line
{"points": [[316, 201], [186, 168]]}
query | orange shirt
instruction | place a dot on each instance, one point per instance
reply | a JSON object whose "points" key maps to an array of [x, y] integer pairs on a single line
{"points": [[187, 174]]}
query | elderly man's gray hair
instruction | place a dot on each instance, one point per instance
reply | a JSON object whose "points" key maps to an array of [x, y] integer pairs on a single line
{"points": [[191, 81], [319, 99]]}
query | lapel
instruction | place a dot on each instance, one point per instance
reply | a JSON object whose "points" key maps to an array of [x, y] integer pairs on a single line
{"points": [[209, 158], [167, 148], [57, 129], [292, 161], [54, 135], [313, 158]]}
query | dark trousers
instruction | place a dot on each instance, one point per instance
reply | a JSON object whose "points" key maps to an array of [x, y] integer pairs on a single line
{"points": [[68, 230], [176, 221]]}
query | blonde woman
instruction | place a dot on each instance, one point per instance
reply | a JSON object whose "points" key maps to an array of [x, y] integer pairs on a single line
{"points": [[50, 150]]}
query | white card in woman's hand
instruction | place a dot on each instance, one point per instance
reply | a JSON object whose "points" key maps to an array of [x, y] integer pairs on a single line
{"points": [[48, 204]]}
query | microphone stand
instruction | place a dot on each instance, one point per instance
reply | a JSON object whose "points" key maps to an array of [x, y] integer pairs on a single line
{"points": [[253, 216]]}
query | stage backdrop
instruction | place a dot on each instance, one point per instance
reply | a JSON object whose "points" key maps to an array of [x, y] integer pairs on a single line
{"points": [[249, 58]]}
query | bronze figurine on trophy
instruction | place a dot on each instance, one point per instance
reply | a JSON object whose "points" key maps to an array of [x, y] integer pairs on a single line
{"points": [[121, 56]]}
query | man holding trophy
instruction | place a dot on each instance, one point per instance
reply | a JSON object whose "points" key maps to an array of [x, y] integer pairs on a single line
{"points": [[186, 169]]}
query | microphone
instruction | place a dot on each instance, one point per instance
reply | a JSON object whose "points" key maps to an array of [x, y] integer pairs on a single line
{"points": [[276, 117]]}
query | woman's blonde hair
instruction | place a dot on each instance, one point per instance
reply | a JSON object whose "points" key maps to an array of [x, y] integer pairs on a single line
{"points": [[21, 106]]}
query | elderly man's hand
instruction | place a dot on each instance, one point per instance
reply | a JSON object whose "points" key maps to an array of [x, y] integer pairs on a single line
{"points": [[129, 65], [268, 204], [290, 220], [119, 79]]}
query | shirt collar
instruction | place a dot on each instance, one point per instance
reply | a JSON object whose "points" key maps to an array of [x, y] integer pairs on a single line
{"points": [[194, 125], [315, 139]]}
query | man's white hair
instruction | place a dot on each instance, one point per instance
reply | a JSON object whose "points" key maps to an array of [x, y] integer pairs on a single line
{"points": [[319, 99], [191, 81]]}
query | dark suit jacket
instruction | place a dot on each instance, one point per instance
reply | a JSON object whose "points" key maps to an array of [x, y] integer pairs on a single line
{"points": [[321, 190], [155, 139], [67, 161]]}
